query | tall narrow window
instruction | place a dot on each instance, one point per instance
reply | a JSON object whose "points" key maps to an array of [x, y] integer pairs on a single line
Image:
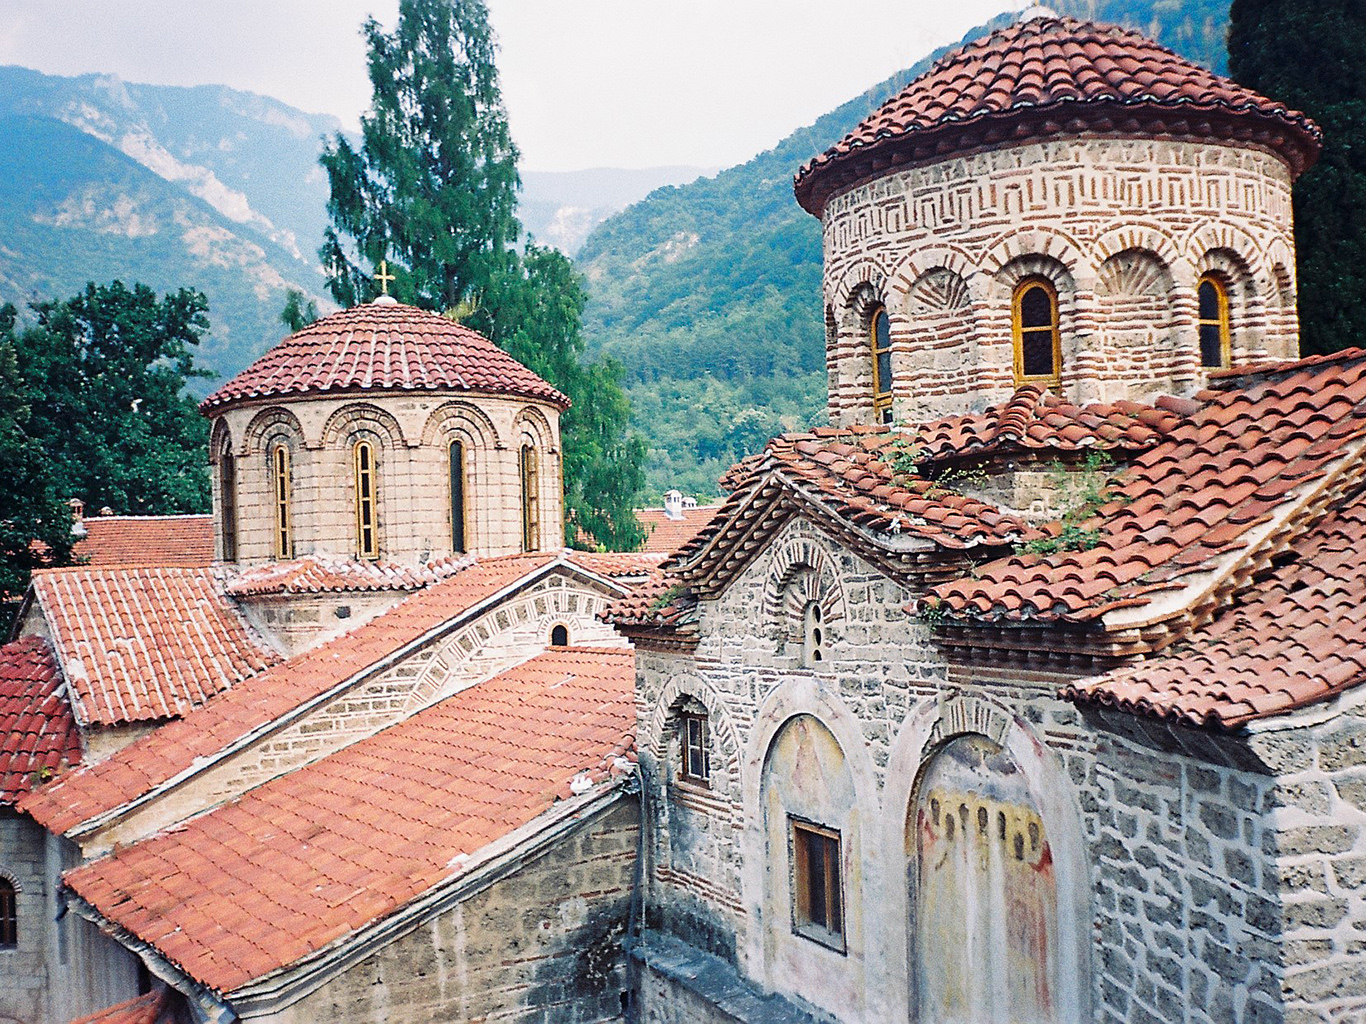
{"points": [[692, 736], [279, 475], [813, 628], [1215, 341], [880, 341], [227, 522], [367, 542], [1038, 346], [531, 500], [457, 466], [9, 915], [818, 906]]}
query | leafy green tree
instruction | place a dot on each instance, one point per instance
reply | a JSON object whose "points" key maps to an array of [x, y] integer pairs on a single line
{"points": [[106, 373], [31, 506], [1309, 56], [433, 191], [299, 311]]}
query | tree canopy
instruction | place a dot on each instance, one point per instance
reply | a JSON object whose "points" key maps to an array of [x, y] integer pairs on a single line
{"points": [[432, 190], [1309, 57]]}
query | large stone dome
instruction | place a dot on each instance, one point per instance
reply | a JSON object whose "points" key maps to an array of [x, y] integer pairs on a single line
{"points": [[383, 346], [1050, 76]]}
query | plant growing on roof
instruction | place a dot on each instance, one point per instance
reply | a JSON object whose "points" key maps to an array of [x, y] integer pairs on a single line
{"points": [[1084, 493]]}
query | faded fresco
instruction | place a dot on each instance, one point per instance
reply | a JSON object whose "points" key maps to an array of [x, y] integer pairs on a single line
{"points": [[984, 896]]}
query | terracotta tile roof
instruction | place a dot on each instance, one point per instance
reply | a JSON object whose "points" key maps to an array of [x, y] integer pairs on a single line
{"points": [[144, 1009], [1296, 637], [852, 471], [313, 856], [160, 541], [380, 345], [314, 575], [668, 535], [140, 645], [1035, 419], [1257, 444], [662, 602], [175, 747], [1050, 76], [38, 734], [616, 564]]}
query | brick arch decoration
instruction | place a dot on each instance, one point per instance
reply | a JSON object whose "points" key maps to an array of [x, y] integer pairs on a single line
{"points": [[916, 265], [460, 419], [539, 606], [1144, 235], [11, 879], [220, 439], [676, 691], [1037, 241], [1281, 260], [864, 276], [801, 571], [922, 736], [531, 421], [268, 425], [362, 418], [1135, 271]]}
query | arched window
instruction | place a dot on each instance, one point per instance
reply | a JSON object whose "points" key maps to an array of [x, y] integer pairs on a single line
{"points": [[227, 489], [559, 636], [280, 483], [1215, 339], [367, 541], [813, 632], [531, 499], [880, 342], [457, 468], [9, 914], [1038, 346]]}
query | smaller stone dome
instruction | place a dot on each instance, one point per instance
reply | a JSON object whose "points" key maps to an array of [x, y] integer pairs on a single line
{"points": [[1050, 76], [379, 346]]}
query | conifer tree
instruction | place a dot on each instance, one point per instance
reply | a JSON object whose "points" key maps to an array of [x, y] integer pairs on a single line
{"points": [[432, 190], [1309, 57]]}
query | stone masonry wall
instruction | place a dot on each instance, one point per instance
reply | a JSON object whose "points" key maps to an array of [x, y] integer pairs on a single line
{"points": [[539, 946], [1123, 228], [1214, 880]]}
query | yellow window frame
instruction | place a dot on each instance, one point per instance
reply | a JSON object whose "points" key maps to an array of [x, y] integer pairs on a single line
{"points": [[280, 480], [1022, 289], [531, 498], [882, 389], [367, 532], [1221, 321]]}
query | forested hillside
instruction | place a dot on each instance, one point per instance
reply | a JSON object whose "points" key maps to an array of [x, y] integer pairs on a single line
{"points": [[709, 293]]}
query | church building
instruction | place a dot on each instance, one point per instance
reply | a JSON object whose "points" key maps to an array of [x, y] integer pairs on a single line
{"points": [[1028, 689]]}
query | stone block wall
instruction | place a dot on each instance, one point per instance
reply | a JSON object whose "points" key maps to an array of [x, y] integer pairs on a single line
{"points": [[62, 968], [540, 945], [412, 435], [1123, 229]]}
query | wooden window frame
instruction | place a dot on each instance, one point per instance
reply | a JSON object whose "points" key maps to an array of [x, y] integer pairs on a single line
{"points": [[882, 390], [1017, 329], [9, 914], [227, 493], [1221, 322], [367, 504], [694, 757], [281, 469], [455, 460], [528, 467], [818, 913]]}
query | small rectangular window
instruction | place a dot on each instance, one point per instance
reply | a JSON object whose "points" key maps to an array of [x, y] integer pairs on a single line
{"points": [[817, 903], [9, 915], [693, 737], [457, 465]]}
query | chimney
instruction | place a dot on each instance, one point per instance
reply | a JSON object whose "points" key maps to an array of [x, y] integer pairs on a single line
{"points": [[77, 517], [673, 504]]}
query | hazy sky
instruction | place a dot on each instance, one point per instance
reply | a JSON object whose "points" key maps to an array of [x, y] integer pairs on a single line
{"points": [[588, 83]]}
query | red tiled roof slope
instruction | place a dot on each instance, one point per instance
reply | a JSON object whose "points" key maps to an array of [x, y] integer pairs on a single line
{"points": [[854, 471], [383, 346], [144, 1009], [314, 855], [667, 535], [311, 574], [38, 734], [661, 602], [140, 645], [616, 564], [110, 542], [1299, 636], [1049, 76], [1035, 419], [1255, 441], [152, 760]]}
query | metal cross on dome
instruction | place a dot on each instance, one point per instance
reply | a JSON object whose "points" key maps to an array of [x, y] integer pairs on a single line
{"points": [[384, 277]]}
